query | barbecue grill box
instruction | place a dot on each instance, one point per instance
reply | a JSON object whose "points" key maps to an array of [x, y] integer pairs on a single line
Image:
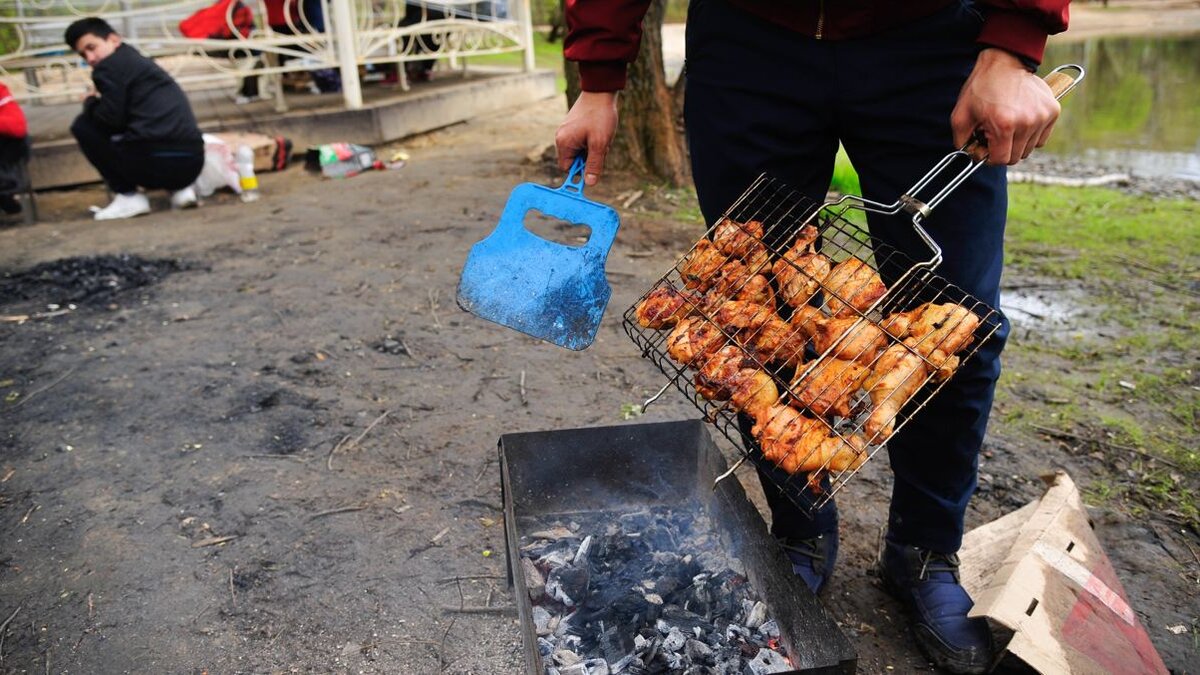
{"points": [[634, 466]]}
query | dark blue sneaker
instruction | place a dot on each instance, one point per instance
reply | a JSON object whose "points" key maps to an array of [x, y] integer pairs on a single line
{"points": [[927, 583], [812, 559]]}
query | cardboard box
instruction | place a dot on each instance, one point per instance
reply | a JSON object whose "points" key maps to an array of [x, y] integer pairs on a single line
{"points": [[264, 147], [1049, 591]]}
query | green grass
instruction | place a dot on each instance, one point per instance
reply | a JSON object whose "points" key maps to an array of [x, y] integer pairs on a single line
{"points": [[546, 55], [1090, 233]]}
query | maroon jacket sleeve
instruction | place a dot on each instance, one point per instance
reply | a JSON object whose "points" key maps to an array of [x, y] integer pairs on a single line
{"points": [[1022, 26], [603, 36]]}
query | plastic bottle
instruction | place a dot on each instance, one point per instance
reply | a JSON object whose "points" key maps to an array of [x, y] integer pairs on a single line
{"points": [[245, 168]]}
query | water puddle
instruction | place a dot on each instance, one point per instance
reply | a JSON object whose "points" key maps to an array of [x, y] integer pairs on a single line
{"points": [[1051, 309]]}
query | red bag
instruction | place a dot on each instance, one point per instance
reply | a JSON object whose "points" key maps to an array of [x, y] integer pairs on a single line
{"points": [[210, 22]]}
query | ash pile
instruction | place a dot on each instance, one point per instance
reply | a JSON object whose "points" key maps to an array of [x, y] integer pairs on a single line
{"points": [[643, 593]]}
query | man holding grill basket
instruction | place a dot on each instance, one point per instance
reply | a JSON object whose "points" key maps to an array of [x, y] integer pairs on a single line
{"points": [[774, 87]]}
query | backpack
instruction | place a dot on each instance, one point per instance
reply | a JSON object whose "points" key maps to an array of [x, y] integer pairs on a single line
{"points": [[210, 22]]}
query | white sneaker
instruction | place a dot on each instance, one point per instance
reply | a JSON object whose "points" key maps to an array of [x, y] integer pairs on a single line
{"points": [[125, 206], [183, 199]]}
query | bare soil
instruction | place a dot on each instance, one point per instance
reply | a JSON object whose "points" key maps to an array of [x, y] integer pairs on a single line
{"points": [[280, 454]]}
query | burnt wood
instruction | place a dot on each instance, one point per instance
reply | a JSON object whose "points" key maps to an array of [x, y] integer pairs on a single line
{"points": [[631, 466]]}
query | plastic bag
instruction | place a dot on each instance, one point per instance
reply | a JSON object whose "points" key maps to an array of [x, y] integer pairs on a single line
{"points": [[220, 169]]}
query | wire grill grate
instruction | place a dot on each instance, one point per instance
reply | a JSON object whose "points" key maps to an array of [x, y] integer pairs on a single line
{"points": [[842, 358]]}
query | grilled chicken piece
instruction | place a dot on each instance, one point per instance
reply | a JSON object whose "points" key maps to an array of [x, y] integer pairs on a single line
{"points": [[664, 306], [734, 280], [778, 341], [730, 375], [798, 444], [852, 285], [739, 240], [800, 280], [699, 267], [947, 327], [806, 319], [895, 378], [865, 340], [736, 315], [829, 388], [693, 339]]}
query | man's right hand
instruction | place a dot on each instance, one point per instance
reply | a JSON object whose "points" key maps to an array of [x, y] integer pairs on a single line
{"points": [[588, 127]]}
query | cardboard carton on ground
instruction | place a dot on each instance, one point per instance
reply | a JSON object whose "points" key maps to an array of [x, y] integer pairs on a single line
{"points": [[264, 147], [1039, 575]]}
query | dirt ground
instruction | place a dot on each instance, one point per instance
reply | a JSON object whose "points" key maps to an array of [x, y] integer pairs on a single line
{"points": [[170, 498]]}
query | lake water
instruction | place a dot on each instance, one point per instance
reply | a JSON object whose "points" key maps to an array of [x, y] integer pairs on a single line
{"points": [[1138, 110]]}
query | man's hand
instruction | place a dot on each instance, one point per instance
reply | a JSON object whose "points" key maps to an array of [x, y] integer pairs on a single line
{"points": [[589, 126], [1014, 108]]}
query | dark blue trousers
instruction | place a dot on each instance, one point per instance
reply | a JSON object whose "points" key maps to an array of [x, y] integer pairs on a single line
{"points": [[761, 98]]}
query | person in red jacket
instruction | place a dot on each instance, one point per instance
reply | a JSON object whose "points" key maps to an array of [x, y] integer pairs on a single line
{"points": [[775, 87], [14, 150]]}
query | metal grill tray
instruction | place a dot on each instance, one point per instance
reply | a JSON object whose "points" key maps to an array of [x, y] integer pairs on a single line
{"points": [[638, 465]]}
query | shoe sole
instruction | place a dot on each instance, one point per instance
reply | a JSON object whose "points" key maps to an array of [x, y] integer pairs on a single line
{"points": [[127, 217]]}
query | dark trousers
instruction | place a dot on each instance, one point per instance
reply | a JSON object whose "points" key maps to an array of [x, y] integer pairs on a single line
{"points": [[763, 99], [126, 166], [14, 156]]}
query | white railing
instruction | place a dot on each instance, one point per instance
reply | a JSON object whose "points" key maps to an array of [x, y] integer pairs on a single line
{"points": [[314, 34]]}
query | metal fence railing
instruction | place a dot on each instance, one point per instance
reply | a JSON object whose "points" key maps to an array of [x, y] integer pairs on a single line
{"points": [[302, 35]]}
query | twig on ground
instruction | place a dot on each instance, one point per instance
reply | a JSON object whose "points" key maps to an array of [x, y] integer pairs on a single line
{"points": [[28, 513], [35, 392], [433, 305], [333, 451], [368, 429], [213, 541], [4, 627], [439, 535], [1058, 433], [343, 509], [446, 580], [479, 609], [524, 401], [293, 458], [91, 607]]}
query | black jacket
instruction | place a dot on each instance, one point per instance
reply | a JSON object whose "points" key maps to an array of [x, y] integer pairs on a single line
{"points": [[140, 102]]}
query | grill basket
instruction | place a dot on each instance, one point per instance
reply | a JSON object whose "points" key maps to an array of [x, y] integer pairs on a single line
{"points": [[806, 341]]}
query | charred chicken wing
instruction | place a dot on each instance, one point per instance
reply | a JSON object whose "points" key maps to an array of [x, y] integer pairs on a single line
{"points": [[699, 267], [947, 327], [895, 378], [665, 306], [693, 339], [852, 285], [830, 387], [730, 375]]}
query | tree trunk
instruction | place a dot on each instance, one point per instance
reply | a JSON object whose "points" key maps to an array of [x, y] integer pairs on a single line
{"points": [[649, 138]]}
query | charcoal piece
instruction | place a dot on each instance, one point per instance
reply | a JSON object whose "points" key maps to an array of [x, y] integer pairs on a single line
{"points": [[674, 640], [636, 521], [674, 616], [770, 629], [541, 620], [535, 583], [568, 584], [660, 538], [767, 661], [566, 658], [757, 615], [698, 652], [545, 647], [615, 644]]}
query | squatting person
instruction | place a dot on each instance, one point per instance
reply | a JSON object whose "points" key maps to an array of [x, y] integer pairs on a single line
{"points": [[137, 127], [774, 87]]}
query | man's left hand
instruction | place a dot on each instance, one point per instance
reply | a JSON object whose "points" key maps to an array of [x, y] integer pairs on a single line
{"points": [[1013, 108]]}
